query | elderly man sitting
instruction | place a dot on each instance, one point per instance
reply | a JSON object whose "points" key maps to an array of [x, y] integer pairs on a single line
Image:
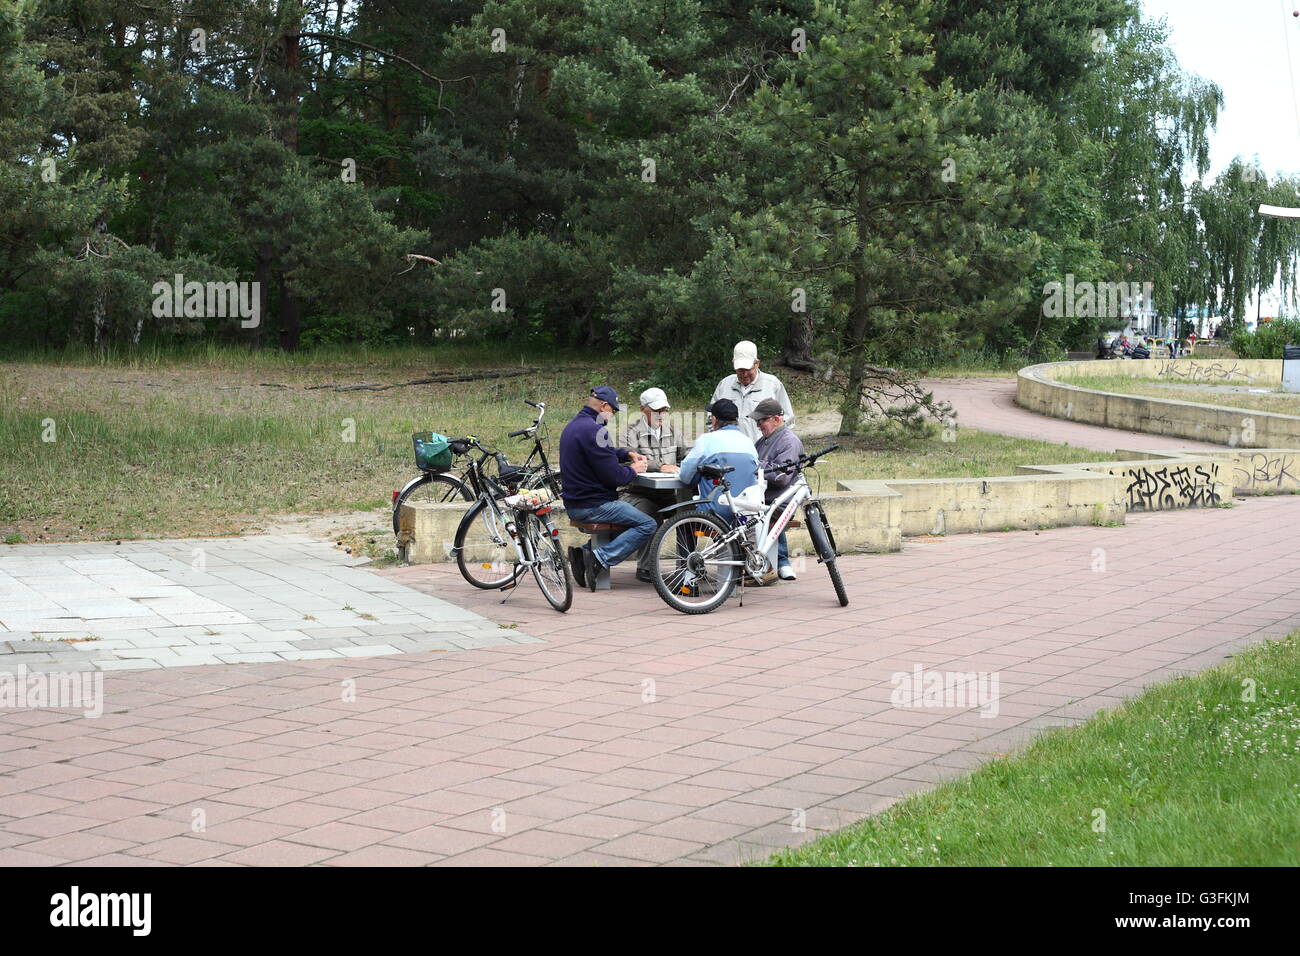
{"points": [[726, 446], [592, 470], [778, 446], [652, 436]]}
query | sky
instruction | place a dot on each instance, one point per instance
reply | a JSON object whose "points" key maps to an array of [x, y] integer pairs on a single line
{"points": [[1242, 46]]}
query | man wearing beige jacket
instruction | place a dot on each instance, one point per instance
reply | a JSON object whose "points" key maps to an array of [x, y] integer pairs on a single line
{"points": [[748, 386], [653, 436]]}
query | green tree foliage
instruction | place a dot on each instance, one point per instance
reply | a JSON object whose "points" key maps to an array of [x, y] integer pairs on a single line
{"points": [[851, 184]]}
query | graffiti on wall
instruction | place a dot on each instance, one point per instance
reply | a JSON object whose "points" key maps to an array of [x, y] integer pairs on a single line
{"points": [[1165, 488], [1267, 470], [1192, 371]]}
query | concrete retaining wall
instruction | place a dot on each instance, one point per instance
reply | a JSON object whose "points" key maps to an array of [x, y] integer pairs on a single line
{"points": [[1199, 371], [860, 522], [1046, 389], [877, 515]]}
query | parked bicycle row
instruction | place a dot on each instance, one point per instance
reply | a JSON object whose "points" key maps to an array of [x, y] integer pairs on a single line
{"points": [[703, 522]]}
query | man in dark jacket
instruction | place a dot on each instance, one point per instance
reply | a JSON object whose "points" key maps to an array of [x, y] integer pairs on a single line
{"points": [[591, 471], [778, 446]]}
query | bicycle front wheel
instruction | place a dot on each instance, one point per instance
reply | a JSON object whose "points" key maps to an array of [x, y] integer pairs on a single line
{"points": [[485, 552], [549, 566], [819, 529], [695, 570]]}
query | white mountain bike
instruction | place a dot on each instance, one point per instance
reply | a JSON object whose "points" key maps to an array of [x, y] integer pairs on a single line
{"points": [[700, 556]]}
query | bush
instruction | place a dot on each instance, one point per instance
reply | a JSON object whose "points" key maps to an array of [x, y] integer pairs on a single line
{"points": [[1267, 341]]}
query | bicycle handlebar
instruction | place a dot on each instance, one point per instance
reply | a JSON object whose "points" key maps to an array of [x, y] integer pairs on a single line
{"points": [[805, 460]]}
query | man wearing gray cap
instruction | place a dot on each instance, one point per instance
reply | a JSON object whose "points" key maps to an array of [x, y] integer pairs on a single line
{"points": [[652, 436], [748, 386], [777, 446]]}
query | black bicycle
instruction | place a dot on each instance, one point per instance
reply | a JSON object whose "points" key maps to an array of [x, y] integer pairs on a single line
{"points": [[433, 486], [508, 530]]}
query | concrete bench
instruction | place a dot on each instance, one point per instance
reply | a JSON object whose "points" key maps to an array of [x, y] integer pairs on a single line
{"points": [[602, 532]]}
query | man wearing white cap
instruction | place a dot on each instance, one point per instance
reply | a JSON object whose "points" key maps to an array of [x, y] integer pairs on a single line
{"points": [[749, 386], [653, 436]]}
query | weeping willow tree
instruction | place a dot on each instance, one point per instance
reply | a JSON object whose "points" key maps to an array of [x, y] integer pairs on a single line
{"points": [[1152, 121], [1241, 253]]}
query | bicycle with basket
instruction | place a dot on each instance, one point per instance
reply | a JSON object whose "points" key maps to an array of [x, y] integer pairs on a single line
{"points": [[441, 482]]}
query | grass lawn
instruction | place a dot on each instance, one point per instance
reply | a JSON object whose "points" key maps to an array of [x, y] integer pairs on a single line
{"points": [[210, 441], [1187, 774], [1276, 400]]}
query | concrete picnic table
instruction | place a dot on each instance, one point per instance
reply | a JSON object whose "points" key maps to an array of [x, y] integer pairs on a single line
{"points": [[660, 481], [657, 480]]}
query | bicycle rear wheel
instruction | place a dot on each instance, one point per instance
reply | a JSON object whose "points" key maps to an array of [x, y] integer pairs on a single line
{"points": [[484, 550], [694, 570], [431, 487], [550, 568], [819, 530]]}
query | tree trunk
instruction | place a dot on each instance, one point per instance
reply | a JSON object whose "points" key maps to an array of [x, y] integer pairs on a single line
{"points": [[290, 317], [851, 422], [262, 276], [288, 91], [797, 352]]}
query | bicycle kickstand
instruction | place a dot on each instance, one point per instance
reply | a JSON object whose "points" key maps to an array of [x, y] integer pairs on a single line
{"points": [[509, 590]]}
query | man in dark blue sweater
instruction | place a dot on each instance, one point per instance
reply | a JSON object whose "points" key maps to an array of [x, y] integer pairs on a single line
{"points": [[591, 472]]}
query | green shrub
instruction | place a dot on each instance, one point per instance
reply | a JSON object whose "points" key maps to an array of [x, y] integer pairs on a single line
{"points": [[1267, 341]]}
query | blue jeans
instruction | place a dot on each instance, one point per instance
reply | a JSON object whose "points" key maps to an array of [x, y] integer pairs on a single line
{"points": [[641, 528], [782, 551]]}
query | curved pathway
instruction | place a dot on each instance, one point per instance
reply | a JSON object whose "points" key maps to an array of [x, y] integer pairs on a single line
{"points": [[989, 404]]}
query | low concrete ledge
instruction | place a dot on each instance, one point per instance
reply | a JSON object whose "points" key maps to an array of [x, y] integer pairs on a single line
{"points": [[875, 515], [1154, 481], [860, 522], [971, 505], [1046, 389]]}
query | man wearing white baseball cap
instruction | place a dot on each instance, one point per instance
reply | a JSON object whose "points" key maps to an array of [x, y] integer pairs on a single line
{"points": [[652, 435], [749, 386]]}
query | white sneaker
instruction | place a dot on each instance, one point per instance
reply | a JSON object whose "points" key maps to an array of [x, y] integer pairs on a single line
{"points": [[786, 573]]}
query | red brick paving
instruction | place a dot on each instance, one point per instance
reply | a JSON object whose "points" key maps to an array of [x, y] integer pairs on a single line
{"points": [[547, 753]]}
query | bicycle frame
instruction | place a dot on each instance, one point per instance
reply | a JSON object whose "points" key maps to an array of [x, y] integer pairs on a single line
{"points": [[497, 519], [768, 524]]}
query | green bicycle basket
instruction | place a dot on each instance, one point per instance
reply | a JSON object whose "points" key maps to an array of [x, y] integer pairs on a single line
{"points": [[432, 451]]}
